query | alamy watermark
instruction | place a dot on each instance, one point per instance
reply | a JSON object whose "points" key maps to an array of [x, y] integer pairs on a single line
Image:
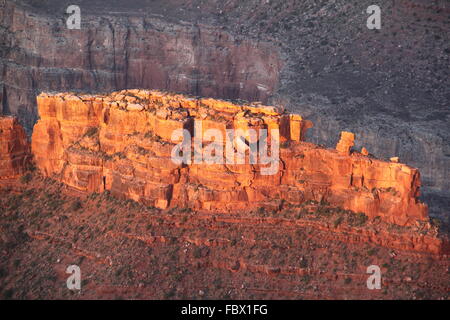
{"points": [[215, 146], [74, 20], [374, 280], [374, 20], [74, 281]]}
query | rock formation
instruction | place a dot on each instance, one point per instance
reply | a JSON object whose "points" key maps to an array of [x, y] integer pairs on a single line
{"points": [[253, 50], [14, 149], [346, 142], [123, 143]]}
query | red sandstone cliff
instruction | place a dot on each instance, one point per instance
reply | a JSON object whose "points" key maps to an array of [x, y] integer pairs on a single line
{"points": [[122, 143], [253, 50], [14, 148]]}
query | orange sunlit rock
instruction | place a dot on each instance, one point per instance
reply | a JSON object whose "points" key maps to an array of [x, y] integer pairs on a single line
{"points": [[346, 142], [122, 143]]}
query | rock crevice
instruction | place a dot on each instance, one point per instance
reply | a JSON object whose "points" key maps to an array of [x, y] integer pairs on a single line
{"points": [[15, 156]]}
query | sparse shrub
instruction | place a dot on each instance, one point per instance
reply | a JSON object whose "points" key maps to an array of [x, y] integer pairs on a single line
{"points": [[28, 193], [26, 178], [148, 135], [8, 294], [311, 202], [186, 210], [306, 278], [55, 204], [324, 211], [93, 195], [361, 219], [92, 131], [16, 263], [177, 277], [303, 263], [142, 151], [261, 211], [169, 294], [120, 155], [338, 221], [372, 251], [197, 253], [217, 283], [284, 145], [119, 271], [357, 219], [76, 205], [436, 222]]}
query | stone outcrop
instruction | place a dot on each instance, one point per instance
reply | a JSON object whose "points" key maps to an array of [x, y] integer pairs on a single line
{"points": [[250, 50], [123, 143], [15, 153], [346, 142]]}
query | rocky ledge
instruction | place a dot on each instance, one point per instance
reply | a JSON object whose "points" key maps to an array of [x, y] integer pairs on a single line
{"points": [[122, 142]]}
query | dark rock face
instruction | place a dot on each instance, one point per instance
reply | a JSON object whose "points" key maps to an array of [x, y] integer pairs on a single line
{"points": [[317, 58], [128, 52]]}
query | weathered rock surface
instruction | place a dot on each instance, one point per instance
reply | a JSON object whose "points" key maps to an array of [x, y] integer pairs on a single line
{"points": [[317, 58], [97, 143], [15, 153], [346, 143]]}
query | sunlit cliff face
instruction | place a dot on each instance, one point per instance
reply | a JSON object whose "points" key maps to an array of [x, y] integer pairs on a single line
{"points": [[318, 59], [124, 143]]}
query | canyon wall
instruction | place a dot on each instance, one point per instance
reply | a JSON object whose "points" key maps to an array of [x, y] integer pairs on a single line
{"points": [[316, 58], [129, 51], [15, 153], [123, 143]]}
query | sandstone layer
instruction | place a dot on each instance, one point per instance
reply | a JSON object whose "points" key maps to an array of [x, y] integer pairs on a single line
{"points": [[15, 153], [317, 58], [123, 143]]}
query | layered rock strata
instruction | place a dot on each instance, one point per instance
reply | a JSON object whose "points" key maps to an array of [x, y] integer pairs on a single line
{"points": [[205, 49], [15, 153], [123, 143]]}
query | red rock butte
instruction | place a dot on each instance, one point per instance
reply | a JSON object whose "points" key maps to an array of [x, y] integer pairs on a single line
{"points": [[122, 143], [14, 149]]}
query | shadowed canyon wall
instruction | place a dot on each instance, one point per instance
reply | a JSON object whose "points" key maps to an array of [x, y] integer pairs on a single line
{"points": [[316, 58], [41, 54], [123, 143], [15, 150]]}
